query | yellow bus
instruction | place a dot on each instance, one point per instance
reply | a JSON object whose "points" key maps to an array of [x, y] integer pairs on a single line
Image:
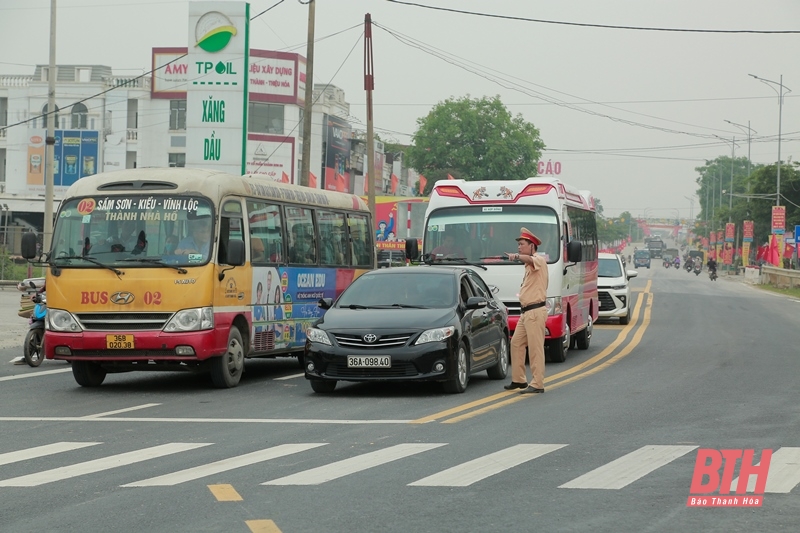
{"points": [[186, 269]]}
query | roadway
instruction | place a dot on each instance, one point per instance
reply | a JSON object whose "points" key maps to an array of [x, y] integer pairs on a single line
{"points": [[610, 446]]}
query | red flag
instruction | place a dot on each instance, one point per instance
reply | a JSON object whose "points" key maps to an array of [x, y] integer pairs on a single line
{"points": [[284, 177], [773, 256], [788, 251], [450, 177], [366, 184], [423, 181], [312, 180], [394, 183]]}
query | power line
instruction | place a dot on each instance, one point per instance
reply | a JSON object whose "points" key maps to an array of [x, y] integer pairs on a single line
{"points": [[587, 25]]}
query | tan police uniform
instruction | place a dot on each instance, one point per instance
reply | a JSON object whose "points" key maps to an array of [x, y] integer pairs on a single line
{"points": [[531, 325]]}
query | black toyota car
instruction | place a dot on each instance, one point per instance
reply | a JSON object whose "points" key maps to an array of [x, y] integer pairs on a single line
{"points": [[425, 323]]}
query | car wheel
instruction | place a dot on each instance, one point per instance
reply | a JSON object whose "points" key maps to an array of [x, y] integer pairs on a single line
{"points": [[323, 387], [625, 319], [584, 337], [88, 374], [458, 384], [226, 370], [500, 370]]}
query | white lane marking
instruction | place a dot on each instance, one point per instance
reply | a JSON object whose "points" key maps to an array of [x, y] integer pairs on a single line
{"points": [[36, 374], [41, 451], [199, 420], [628, 468], [473, 471], [98, 465], [118, 411], [784, 473], [317, 476], [293, 376], [231, 463]]}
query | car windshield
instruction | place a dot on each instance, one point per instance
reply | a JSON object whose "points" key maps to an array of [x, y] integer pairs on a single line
{"points": [[642, 254], [400, 290], [133, 230], [608, 268], [482, 234]]}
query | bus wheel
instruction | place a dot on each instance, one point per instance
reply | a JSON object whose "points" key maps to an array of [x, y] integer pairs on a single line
{"points": [[88, 374], [557, 352], [226, 370], [584, 337]]}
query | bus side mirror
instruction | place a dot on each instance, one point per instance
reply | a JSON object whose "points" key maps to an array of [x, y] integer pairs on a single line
{"points": [[235, 252], [412, 249], [28, 246], [574, 252]]}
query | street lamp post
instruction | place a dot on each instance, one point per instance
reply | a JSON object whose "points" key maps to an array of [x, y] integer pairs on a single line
{"points": [[749, 131], [780, 116]]}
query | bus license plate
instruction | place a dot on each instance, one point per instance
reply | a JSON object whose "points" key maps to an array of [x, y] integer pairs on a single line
{"points": [[119, 342], [375, 361]]}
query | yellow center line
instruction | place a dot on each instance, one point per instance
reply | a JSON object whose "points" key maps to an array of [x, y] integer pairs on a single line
{"points": [[262, 526], [515, 396], [225, 493]]}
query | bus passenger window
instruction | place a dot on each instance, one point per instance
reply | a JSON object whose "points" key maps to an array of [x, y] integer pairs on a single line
{"points": [[266, 226]]}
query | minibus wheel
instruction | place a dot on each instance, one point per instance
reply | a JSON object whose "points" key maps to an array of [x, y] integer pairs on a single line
{"points": [[88, 374], [226, 370]]}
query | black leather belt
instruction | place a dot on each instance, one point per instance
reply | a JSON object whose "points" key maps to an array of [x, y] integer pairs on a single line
{"points": [[531, 307]]}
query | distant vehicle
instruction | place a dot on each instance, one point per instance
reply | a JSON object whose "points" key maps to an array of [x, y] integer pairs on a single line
{"points": [[613, 288], [656, 247], [429, 323], [641, 258]]}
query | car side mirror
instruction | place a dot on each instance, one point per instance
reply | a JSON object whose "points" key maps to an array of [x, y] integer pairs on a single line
{"points": [[476, 302], [632, 274], [325, 303], [494, 288]]}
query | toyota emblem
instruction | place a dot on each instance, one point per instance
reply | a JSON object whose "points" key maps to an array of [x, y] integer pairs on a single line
{"points": [[369, 338], [122, 298]]}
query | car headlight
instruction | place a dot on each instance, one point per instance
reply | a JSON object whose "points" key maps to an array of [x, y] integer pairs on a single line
{"points": [[436, 335], [618, 288], [196, 319], [554, 305], [60, 320], [317, 335]]}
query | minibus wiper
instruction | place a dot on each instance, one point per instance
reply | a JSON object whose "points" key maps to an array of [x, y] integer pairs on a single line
{"points": [[91, 260], [457, 261], [158, 262]]}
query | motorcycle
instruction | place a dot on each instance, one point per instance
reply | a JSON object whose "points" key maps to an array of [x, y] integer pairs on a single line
{"points": [[33, 349], [697, 269], [677, 263], [712, 275]]}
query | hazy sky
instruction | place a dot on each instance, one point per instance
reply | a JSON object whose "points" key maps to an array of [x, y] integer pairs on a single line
{"points": [[628, 113]]}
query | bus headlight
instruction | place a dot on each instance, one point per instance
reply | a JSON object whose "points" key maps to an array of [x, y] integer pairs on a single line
{"points": [[196, 319], [317, 335], [554, 305], [60, 320], [436, 335]]}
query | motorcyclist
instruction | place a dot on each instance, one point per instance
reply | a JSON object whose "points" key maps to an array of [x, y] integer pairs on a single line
{"points": [[677, 261], [711, 264]]}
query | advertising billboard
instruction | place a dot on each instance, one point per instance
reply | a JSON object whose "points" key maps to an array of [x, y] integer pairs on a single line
{"points": [[270, 156], [74, 157], [336, 154]]}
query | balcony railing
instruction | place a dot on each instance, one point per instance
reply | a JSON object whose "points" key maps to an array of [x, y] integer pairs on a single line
{"points": [[15, 81]]}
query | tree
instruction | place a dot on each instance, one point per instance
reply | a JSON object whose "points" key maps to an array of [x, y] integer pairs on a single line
{"points": [[474, 139]]}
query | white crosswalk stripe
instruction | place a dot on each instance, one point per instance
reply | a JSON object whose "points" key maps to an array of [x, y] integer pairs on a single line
{"points": [[317, 476], [473, 471], [230, 463], [783, 476], [628, 468], [41, 451], [98, 465]]}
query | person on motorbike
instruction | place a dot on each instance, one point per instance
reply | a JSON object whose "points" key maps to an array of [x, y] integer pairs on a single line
{"points": [[677, 262], [712, 265]]}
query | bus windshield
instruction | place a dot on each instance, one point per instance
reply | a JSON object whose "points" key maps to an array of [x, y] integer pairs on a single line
{"points": [[134, 230], [482, 233]]}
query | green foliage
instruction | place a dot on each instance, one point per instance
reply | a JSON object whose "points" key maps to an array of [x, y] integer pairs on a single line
{"points": [[610, 230], [475, 140]]}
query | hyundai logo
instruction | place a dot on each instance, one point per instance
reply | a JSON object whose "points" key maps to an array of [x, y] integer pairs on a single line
{"points": [[369, 338], [122, 298]]}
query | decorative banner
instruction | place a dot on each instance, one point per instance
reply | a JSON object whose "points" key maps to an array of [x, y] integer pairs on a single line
{"points": [[727, 254], [730, 232], [748, 231], [778, 219], [712, 238], [746, 253]]}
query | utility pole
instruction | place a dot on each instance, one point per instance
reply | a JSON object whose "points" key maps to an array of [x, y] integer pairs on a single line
{"points": [[50, 141], [730, 193], [369, 86], [308, 104]]}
